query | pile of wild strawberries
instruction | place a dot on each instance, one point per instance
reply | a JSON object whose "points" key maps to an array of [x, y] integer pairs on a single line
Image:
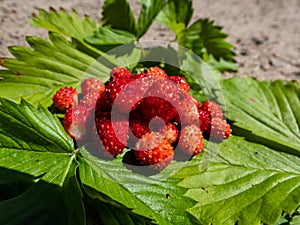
{"points": [[150, 112]]}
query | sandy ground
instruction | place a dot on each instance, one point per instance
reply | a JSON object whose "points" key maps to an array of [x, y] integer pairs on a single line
{"points": [[266, 34]]}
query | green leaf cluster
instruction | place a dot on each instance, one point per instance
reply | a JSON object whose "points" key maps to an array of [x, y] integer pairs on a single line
{"points": [[202, 37], [239, 180]]}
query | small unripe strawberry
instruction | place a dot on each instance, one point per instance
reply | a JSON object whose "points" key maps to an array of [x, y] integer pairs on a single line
{"points": [[65, 98]]}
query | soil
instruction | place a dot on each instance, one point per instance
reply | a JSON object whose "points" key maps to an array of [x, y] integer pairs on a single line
{"points": [[266, 34]]}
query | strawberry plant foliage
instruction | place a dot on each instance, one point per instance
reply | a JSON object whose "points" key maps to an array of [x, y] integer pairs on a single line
{"points": [[239, 170], [268, 112], [146, 196], [203, 37], [35, 158], [72, 25], [45, 68], [260, 181], [251, 178], [25, 128]]}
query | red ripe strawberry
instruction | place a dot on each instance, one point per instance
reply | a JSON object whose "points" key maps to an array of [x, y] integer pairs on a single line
{"points": [[204, 119], [188, 111], [160, 100], [130, 96], [219, 130], [65, 98], [165, 89], [103, 102], [181, 82], [156, 72], [92, 85], [119, 72], [115, 86], [153, 107], [76, 122], [154, 150], [89, 100], [170, 132], [191, 140], [213, 109], [113, 132], [96, 145], [138, 125], [228, 131]]}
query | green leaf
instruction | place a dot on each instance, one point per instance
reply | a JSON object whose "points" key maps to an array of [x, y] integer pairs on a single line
{"points": [[149, 10], [295, 220], [176, 14], [281, 221], [242, 181], [24, 127], [68, 24], [37, 73], [35, 149], [203, 37], [108, 36], [113, 215], [111, 182], [202, 77], [54, 196], [265, 112], [118, 14], [221, 64]]}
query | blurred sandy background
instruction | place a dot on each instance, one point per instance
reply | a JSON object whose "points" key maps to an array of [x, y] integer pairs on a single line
{"points": [[265, 33]]}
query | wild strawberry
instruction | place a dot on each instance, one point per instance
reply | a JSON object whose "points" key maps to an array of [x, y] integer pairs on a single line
{"points": [[130, 96], [160, 100], [191, 140], [214, 110], [154, 150], [103, 103], [76, 122], [138, 125], [181, 82], [204, 119], [96, 147], [65, 98], [113, 132], [188, 111], [165, 89], [89, 100], [170, 132], [228, 131], [115, 86], [153, 107], [219, 130], [92, 85], [156, 72], [119, 72]]}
